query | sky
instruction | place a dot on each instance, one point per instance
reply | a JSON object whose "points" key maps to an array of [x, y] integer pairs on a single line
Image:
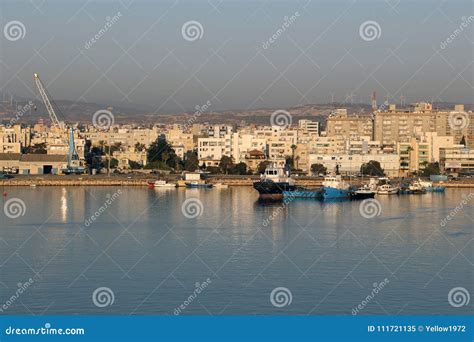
{"points": [[238, 54]]}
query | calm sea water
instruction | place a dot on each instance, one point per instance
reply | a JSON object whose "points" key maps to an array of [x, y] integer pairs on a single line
{"points": [[152, 255]]}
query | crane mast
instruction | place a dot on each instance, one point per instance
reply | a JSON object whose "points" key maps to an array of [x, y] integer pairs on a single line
{"points": [[46, 101]]}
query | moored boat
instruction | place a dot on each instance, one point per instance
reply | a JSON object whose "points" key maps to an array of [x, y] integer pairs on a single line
{"points": [[363, 192], [198, 185], [416, 188], [273, 182], [334, 188], [387, 189], [163, 184]]}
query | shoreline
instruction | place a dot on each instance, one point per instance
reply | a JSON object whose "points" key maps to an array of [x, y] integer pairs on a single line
{"points": [[142, 180]]}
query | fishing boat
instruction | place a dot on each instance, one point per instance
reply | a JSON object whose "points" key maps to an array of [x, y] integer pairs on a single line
{"points": [[387, 189], [198, 185], [429, 186], [334, 188], [273, 182], [163, 184], [364, 192], [416, 188]]}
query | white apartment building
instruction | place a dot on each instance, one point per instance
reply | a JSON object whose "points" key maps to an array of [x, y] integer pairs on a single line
{"points": [[351, 163]]}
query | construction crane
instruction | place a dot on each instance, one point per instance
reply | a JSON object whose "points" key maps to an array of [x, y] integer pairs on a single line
{"points": [[46, 101], [73, 162]]}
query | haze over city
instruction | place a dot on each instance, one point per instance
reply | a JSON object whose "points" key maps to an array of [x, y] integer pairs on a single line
{"points": [[241, 58]]}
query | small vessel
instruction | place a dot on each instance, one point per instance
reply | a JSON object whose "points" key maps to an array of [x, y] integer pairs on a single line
{"points": [[416, 188], [363, 192], [198, 185], [221, 186], [428, 186], [273, 182], [334, 187], [387, 189], [163, 184]]}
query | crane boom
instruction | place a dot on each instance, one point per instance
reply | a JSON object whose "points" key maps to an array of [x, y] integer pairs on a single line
{"points": [[46, 101]]}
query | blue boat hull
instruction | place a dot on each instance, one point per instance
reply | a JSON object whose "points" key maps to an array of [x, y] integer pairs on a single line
{"points": [[332, 193], [198, 186], [435, 189], [300, 193]]}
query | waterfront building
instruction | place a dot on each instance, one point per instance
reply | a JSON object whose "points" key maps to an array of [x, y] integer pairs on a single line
{"points": [[130, 154], [457, 160], [394, 125], [349, 164], [341, 124]]}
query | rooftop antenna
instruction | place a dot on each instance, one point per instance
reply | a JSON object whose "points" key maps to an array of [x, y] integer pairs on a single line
{"points": [[374, 100]]}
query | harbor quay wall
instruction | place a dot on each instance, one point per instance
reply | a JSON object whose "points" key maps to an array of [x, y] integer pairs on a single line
{"points": [[143, 180]]}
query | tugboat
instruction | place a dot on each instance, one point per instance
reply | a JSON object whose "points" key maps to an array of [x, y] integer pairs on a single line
{"points": [[273, 182], [335, 188]]}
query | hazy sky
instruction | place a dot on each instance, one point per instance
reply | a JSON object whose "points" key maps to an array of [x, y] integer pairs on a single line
{"points": [[322, 54]]}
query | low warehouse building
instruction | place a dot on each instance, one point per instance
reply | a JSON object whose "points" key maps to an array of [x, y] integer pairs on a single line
{"points": [[34, 164]]}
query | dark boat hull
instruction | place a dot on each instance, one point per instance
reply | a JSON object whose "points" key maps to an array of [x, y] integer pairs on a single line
{"points": [[272, 190], [361, 195]]}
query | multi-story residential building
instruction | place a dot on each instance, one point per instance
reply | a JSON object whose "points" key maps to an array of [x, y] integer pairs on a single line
{"points": [[127, 136], [176, 137], [393, 126], [341, 124], [124, 157], [211, 149], [14, 138], [459, 160], [308, 128], [350, 164]]}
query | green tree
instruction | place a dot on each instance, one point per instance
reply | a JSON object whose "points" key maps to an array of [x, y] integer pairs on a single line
{"points": [[225, 164], [161, 155], [430, 169], [372, 168], [191, 162], [318, 169], [293, 148], [139, 147], [239, 169], [113, 163]]}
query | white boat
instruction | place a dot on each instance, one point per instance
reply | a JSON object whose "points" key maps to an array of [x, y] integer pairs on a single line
{"points": [[416, 188], [387, 189], [425, 184], [163, 184]]}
